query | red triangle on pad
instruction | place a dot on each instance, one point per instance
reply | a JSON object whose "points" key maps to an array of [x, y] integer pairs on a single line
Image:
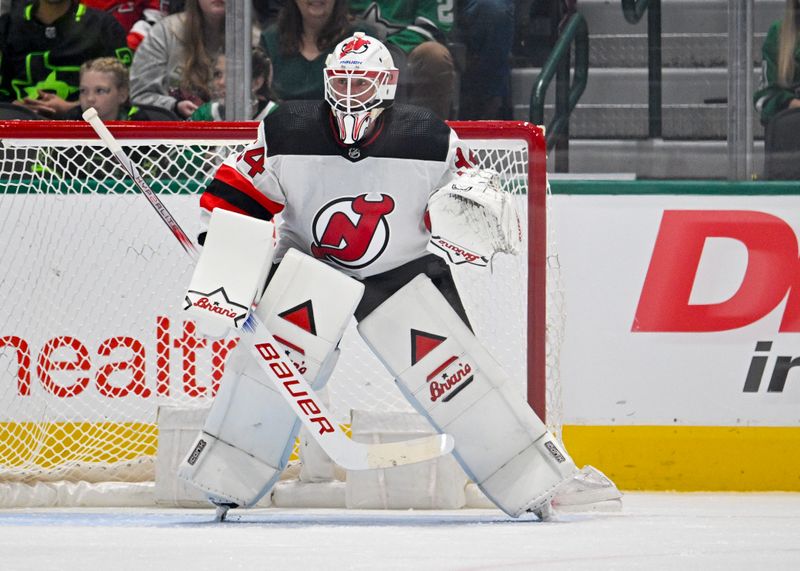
{"points": [[423, 343], [301, 315]]}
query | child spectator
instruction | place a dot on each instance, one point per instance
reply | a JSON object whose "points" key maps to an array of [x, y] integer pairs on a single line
{"points": [[42, 46], [104, 85], [173, 66], [262, 97]]}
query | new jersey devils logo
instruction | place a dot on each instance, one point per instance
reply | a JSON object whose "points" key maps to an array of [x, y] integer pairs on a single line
{"points": [[353, 231], [354, 46]]}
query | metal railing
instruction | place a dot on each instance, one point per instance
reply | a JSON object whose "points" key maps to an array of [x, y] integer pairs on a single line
{"points": [[633, 10], [567, 94]]}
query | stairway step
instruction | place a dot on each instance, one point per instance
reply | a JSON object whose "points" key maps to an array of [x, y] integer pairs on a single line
{"points": [[657, 158], [677, 16], [631, 121], [677, 50], [622, 85]]}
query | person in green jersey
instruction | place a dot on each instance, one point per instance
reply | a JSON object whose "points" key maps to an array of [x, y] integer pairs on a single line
{"points": [[298, 43], [42, 46], [780, 67], [415, 31]]}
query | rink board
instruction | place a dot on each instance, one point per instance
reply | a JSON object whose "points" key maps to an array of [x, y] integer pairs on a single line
{"points": [[683, 318], [657, 410]]}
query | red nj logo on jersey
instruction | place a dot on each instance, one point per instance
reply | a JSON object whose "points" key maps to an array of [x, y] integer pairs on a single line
{"points": [[347, 243], [355, 46]]}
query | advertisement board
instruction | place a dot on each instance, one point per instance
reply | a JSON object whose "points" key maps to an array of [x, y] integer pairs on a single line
{"points": [[681, 342]]}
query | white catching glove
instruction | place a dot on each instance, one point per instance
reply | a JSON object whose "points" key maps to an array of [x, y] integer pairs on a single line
{"points": [[472, 219]]}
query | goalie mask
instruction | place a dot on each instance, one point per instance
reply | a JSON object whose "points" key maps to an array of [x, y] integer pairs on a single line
{"points": [[360, 82]]}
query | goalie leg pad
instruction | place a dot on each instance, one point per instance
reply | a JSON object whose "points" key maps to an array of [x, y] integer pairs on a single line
{"points": [[246, 440], [454, 382], [307, 306], [227, 474], [250, 430]]}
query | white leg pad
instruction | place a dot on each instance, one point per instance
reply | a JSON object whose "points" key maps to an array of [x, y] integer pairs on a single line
{"points": [[250, 429], [249, 433], [227, 474], [307, 306], [454, 382]]}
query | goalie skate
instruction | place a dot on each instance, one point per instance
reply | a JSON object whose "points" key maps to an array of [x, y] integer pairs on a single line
{"points": [[588, 491]]}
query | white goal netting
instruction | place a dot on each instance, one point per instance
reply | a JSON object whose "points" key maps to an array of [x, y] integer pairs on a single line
{"points": [[91, 337]]}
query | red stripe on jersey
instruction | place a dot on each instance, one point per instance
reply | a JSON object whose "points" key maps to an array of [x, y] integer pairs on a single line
{"points": [[237, 180], [210, 202]]}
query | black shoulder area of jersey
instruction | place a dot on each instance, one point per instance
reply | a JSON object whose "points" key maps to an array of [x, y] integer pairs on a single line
{"points": [[299, 128], [411, 132], [402, 132]]}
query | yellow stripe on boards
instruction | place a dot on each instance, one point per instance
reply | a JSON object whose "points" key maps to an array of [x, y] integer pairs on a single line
{"points": [[690, 458], [682, 458], [48, 445]]}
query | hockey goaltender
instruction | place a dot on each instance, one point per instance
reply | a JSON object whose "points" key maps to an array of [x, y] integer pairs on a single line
{"points": [[367, 190]]}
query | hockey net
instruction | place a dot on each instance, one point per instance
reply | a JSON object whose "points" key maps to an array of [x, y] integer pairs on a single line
{"points": [[92, 343]]}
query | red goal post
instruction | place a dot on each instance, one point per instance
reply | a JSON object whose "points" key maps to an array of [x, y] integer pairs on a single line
{"points": [[90, 337]]}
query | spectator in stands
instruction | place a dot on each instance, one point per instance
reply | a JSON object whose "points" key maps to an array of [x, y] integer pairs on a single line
{"points": [[104, 85], [42, 46], [173, 66], [262, 97], [136, 16], [297, 45], [780, 67], [487, 29], [415, 34], [265, 13]]}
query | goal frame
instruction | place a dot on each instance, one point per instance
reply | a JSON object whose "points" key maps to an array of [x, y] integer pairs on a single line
{"points": [[199, 132]]}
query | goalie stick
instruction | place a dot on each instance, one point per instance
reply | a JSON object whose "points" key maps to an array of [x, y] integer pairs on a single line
{"points": [[296, 391]]}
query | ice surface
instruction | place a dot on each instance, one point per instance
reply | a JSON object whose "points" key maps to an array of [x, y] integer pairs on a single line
{"points": [[653, 531]]}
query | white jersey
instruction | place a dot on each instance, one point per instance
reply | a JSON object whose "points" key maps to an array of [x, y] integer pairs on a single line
{"points": [[361, 207]]}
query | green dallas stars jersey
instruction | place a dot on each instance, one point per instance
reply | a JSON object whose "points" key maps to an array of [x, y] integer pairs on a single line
{"points": [[406, 23], [35, 57], [771, 97]]}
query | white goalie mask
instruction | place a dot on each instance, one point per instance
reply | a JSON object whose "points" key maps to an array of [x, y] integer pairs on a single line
{"points": [[360, 82]]}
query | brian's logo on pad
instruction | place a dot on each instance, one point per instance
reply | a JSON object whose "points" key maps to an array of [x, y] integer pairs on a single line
{"points": [[216, 304], [457, 254], [449, 377]]}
